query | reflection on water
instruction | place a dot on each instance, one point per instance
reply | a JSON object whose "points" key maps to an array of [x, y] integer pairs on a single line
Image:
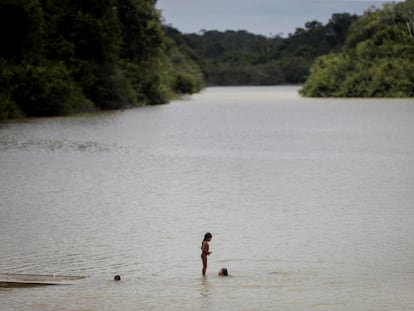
{"points": [[205, 292], [309, 201]]}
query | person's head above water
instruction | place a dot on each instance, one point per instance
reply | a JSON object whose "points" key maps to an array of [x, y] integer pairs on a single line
{"points": [[117, 278], [207, 236], [223, 272]]}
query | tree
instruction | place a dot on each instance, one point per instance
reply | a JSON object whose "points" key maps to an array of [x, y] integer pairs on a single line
{"points": [[65, 56], [404, 12], [377, 60], [21, 30], [142, 53]]}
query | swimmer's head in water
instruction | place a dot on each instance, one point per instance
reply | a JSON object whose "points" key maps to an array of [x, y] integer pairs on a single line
{"points": [[223, 272], [117, 278]]}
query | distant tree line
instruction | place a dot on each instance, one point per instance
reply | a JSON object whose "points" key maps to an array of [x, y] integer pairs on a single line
{"points": [[63, 56], [376, 61], [350, 56], [243, 58]]}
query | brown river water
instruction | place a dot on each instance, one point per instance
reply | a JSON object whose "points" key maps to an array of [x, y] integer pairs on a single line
{"points": [[310, 203]]}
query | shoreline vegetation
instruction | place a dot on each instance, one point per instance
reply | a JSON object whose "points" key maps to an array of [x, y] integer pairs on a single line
{"points": [[61, 57]]}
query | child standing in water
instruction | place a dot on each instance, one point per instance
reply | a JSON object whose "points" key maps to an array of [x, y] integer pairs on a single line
{"points": [[205, 250]]}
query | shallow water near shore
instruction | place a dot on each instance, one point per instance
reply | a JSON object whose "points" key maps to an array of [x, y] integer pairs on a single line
{"points": [[310, 202]]}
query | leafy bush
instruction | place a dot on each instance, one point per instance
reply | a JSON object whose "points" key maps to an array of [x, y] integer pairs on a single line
{"points": [[47, 91], [184, 84], [8, 107]]}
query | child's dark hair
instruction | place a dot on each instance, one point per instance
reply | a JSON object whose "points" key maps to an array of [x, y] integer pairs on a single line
{"points": [[207, 236]]}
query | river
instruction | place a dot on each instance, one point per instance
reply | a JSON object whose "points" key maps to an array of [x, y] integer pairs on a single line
{"points": [[310, 203]]}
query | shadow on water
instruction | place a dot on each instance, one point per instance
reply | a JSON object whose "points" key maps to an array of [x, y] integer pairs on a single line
{"points": [[35, 280]]}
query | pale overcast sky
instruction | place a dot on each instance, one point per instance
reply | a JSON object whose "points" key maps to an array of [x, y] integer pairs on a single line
{"points": [[267, 17]]}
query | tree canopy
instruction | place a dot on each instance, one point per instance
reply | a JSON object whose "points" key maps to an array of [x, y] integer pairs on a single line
{"points": [[376, 61], [59, 56]]}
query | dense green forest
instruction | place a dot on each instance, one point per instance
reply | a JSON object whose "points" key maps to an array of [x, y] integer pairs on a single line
{"points": [[63, 56], [376, 61], [243, 58], [59, 57]]}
